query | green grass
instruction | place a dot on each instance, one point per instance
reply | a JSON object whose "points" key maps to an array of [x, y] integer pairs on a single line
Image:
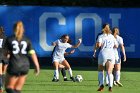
{"points": [[130, 78]]}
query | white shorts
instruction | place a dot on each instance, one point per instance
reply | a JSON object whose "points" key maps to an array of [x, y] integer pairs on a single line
{"points": [[118, 61], [104, 57], [59, 60], [103, 61]]}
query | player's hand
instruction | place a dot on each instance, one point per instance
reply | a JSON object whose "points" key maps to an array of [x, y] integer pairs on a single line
{"points": [[37, 71], [94, 55], [72, 51], [80, 40], [124, 58]]}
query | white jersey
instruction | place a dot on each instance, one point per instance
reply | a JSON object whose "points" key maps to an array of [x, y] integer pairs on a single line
{"points": [[117, 50], [107, 48], [60, 49]]}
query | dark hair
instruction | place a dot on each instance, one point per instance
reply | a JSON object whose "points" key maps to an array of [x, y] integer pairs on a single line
{"points": [[104, 25], [113, 30], [63, 36]]}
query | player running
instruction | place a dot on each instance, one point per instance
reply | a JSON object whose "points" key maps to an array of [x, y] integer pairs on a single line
{"points": [[106, 57], [19, 48]]}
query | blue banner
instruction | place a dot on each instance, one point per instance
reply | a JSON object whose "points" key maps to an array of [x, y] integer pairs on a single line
{"points": [[43, 25]]}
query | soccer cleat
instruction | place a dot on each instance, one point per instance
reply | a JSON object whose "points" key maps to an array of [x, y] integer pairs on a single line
{"points": [[106, 85], [73, 79], [110, 89], [65, 79], [55, 80], [115, 84], [101, 88], [119, 84]]}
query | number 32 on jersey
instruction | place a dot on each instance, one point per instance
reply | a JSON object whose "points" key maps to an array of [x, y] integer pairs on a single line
{"points": [[17, 49]]}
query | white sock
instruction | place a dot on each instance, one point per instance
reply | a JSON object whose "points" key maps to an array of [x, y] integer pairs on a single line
{"points": [[70, 72], [56, 74], [101, 78], [118, 74], [110, 78], [106, 78]]}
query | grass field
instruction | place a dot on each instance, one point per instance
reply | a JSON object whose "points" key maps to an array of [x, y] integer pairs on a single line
{"points": [[130, 78]]}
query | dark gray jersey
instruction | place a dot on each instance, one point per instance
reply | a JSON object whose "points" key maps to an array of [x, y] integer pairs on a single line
{"points": [[2, 47], [19, 59]]}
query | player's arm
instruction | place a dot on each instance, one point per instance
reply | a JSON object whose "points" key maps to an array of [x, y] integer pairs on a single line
{"points": [[53, 43], [94, 50], [123, 52], [35, 61], [78, 44], [123, 49], [115, 43], [33, 55], [68, 53]]}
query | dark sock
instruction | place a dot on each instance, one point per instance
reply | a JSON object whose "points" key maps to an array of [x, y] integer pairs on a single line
{"points": [[63, 72], [17, 91], [3, 79], [1, 83], [9, 90]]}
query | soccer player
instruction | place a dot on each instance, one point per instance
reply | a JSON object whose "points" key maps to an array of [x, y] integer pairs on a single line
{"points": [[58, 56], [3, 57], [63, 70], [120, 48], [106, 57], [19, 48]]}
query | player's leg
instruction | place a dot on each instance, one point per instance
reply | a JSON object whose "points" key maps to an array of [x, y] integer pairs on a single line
{"points": [[63, 72], [67, 65], [56, 71], [109, 67], [4, 68], [10, 83], [19, 84], [106, 79], [1, 81], [100, 76], [118, 73]]}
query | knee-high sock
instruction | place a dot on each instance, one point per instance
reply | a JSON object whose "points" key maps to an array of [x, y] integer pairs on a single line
{"points": [[56, 74], [70, 72], [1, 81], [106, 78], [117, 76], [9, 90], [63, 72], [110, 78], [17, 91], [101, 78]]}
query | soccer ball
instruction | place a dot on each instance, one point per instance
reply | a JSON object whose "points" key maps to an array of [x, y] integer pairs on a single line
{"points": [[79, 78]]}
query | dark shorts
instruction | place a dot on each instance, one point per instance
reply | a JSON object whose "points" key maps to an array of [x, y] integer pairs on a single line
{"points": [[17, 73], [5, 61]]}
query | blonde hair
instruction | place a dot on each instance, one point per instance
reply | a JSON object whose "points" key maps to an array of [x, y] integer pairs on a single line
{"points": [[18, 30]]}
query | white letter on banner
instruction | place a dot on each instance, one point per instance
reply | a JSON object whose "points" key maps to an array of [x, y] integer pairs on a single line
{"points": [[115, 23], [78, 28], [43, 30]]}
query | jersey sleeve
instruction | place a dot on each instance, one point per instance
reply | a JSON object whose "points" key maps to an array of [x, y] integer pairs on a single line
{"points": [[121, 41], [56, 42], [30, 47], [69, 45], [99, 39]]}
